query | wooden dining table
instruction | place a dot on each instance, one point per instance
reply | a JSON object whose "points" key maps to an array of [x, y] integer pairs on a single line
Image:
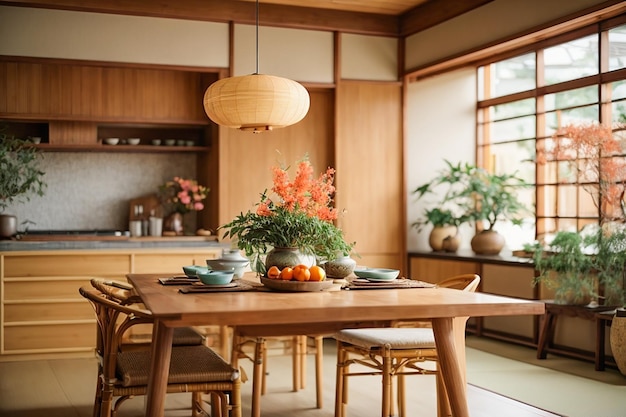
{"points": [[319, 312]]}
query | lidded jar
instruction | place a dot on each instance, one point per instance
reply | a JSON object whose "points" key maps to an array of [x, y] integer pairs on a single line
{"points": [[340, 267]]}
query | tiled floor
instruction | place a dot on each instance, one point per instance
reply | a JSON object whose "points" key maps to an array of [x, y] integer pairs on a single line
{"points": [[65, 388]]}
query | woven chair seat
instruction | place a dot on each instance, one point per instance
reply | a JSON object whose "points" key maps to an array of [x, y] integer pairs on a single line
{"points": [[394, 338], [189, 364], [187, 336]]}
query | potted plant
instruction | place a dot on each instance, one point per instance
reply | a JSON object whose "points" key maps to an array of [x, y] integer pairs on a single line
{"points": [[495, 198], [20, 176], [474, 194], [593, 154], [448, 212], [296, 223], [181, 196]]}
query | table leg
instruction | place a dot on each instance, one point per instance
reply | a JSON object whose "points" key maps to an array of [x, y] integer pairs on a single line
{"points": [[450, 367], [159, 368], [546, 334], [600, 335]]}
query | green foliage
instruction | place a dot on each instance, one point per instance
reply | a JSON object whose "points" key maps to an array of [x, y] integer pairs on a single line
{"points": [[449, 209], [257, 234], [577, 264], [20, 175], [472, 194]]}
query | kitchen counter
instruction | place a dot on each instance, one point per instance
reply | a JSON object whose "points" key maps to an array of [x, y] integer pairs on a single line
{"points": [[97, 242]]}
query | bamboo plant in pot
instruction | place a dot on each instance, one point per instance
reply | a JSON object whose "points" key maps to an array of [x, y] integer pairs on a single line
{"points": [[20, 177]]}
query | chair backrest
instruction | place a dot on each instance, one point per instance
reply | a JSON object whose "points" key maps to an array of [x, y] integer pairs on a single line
{"points": [[115, 314], [465, 282]]}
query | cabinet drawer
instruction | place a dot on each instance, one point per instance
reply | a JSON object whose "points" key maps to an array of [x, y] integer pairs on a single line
{"points": [[66, 265], [42, 311], [49, 337], [168, 263], [43, 289]]}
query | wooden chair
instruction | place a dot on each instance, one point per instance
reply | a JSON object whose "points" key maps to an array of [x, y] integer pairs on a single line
{"points": [[393, 351], [123, 371], [251, 338]]}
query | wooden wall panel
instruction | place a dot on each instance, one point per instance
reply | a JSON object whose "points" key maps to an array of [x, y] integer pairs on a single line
{"points": [[369, 167], [245, 158], [86, 92]]}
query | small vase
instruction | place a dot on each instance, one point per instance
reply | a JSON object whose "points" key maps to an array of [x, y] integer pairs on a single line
{"points": [[340, 267], [174, 223], [283, 257], [8, 226]]}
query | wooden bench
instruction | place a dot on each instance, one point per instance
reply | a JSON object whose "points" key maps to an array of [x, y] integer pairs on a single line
{"points": [[600, 315]]}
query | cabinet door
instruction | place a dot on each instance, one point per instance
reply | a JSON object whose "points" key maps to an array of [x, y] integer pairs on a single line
{"points": [[436, 270], [510, 281]]}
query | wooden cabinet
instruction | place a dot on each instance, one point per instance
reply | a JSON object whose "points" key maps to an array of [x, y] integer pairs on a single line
{"points": [[43, 314], [73, 106]]}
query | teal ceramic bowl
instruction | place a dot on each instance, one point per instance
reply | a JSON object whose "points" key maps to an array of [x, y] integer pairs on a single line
{"points": [[193, 270], [216, 277], [377, 274]]}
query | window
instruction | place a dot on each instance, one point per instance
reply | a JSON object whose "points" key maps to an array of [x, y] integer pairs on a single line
{"points": [[524, 98]]}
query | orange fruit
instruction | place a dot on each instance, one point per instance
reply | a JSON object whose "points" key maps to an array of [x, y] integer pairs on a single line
{"points": [[317, 273], [301, 273], [286, 274], [273, 272]]}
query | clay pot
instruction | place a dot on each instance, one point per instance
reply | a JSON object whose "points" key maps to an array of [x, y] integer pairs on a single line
{"points": [[438, 234], [487, 242]]}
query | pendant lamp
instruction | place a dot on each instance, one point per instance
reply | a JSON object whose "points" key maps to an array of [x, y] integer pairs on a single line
{"points": [[256, 102]]}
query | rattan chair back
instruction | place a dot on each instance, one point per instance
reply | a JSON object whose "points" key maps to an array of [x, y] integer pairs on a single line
{"points": [[124, 373]]}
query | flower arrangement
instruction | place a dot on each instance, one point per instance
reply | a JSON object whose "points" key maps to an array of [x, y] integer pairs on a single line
{"points": [[300, 216], [183, 195]]}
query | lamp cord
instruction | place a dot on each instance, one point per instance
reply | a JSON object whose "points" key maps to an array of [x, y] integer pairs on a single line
{"points": [[257, 36]]}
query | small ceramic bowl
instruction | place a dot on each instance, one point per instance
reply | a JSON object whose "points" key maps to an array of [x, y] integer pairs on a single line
{"points": [[155, 142], [216, 277], [111, 141], [377, 274], [133, 141], [239, 266], [194, 270], [170, 142]]}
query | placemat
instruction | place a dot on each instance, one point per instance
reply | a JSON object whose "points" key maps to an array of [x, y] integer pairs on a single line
{"points": [[363, 284], [179, 280], [236, 285]]}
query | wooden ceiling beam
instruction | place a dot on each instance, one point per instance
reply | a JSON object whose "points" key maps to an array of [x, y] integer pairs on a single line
{"points": [[235, 11], [431, 13]]}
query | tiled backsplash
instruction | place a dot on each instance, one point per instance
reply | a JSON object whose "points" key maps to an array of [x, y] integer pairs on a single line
{"points": [[92, 190]]}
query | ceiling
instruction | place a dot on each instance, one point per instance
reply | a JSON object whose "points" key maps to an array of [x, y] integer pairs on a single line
{"points": [[397, 18], [388, 7]]}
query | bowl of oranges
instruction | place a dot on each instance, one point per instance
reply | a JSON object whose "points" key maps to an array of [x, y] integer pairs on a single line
{"points": [[296, 279]]}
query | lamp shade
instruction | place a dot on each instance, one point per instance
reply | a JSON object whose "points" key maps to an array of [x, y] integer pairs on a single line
{"points": [[256, 102]]}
